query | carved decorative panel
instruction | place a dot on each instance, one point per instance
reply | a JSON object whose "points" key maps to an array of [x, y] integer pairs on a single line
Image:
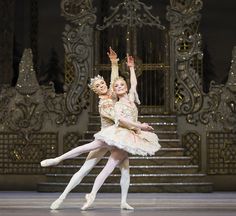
{"points": [[132, 13], [192, 147], [186, 56], [215, 109], [221, 148], [220, 109], [78, 44], [23, 106], [69, 72], [21, 156], [70, 141]]}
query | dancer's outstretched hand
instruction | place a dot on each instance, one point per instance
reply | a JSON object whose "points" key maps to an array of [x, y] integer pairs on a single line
{"points": [[146, 127], [112, 54], [130, 60]]}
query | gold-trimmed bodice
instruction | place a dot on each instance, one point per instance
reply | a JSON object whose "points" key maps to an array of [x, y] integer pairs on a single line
{"points": [[130, 112], [106, 110]]}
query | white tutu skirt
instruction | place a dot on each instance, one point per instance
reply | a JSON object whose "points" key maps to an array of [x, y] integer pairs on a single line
{"points": [[143, 143]]}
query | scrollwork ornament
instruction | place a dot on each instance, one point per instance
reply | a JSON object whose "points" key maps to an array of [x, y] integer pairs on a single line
{"points": [[26, 116], [229, 120], [78, 11], [186, 6], [192, 98], [220, 106], [192, 48], [55, 103], [212, 99], [131, 13], [228, 107], [179, 22], [184, 20], [78, 44]]}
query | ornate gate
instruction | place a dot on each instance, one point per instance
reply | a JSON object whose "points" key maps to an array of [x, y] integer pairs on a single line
{"points": [[131, 28]]}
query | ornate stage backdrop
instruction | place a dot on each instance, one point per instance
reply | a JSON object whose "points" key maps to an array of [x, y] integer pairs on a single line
{"points": [[36, 122]]}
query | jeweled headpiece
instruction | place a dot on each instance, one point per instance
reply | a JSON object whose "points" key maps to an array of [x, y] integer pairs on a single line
{"points": [[93, 80]]}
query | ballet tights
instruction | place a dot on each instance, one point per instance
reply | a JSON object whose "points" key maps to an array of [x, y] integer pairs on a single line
{"points": [[92, 159], [116, 157], [96, 144], [82, 149]]}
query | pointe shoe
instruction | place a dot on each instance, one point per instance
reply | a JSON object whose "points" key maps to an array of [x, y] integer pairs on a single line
{"points": [[49, 162], [126, 206], [56, 204], [89, 201]]}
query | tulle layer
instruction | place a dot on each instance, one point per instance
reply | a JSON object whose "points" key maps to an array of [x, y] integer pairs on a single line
{"points": [[144, 143]]}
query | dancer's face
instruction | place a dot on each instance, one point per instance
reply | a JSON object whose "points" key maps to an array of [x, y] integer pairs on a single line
{"points": [[100, 87], [120, 87]]}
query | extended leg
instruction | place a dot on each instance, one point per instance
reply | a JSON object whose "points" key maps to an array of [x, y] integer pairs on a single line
{"points": [[124, 183], [73, 153], [117, 156], [93, 158]]}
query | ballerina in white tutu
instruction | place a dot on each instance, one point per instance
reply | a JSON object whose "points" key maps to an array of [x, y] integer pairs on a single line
{"points": [[106, 110], [127, 133]]}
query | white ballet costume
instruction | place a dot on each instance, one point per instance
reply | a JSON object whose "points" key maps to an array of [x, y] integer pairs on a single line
{"points": [[106, 110], [142, 143]]}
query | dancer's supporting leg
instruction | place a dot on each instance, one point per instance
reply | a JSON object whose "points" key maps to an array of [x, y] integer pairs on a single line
{"points": [[92, 159], [124, 183], [117, 156], [73, 153]]}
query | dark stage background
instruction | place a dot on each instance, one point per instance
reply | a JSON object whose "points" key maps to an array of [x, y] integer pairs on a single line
{"points": [[218, 28]]}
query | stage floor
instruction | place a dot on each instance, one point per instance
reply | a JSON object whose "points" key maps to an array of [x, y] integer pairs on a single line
{"points": [[156, 204]]}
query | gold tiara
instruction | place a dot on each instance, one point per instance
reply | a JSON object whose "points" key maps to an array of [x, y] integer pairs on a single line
{"points": [[93, 80]]}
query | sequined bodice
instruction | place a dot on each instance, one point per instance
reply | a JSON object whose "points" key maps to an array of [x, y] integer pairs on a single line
{"points": [[127, 111], [106, 110]]}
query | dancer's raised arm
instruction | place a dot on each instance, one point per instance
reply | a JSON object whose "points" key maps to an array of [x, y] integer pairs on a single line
{"points": [[133, 95], [114, 65], [133, 79]]}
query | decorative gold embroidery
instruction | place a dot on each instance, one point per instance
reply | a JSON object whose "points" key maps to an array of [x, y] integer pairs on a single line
{"points": [[106, 110]]}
